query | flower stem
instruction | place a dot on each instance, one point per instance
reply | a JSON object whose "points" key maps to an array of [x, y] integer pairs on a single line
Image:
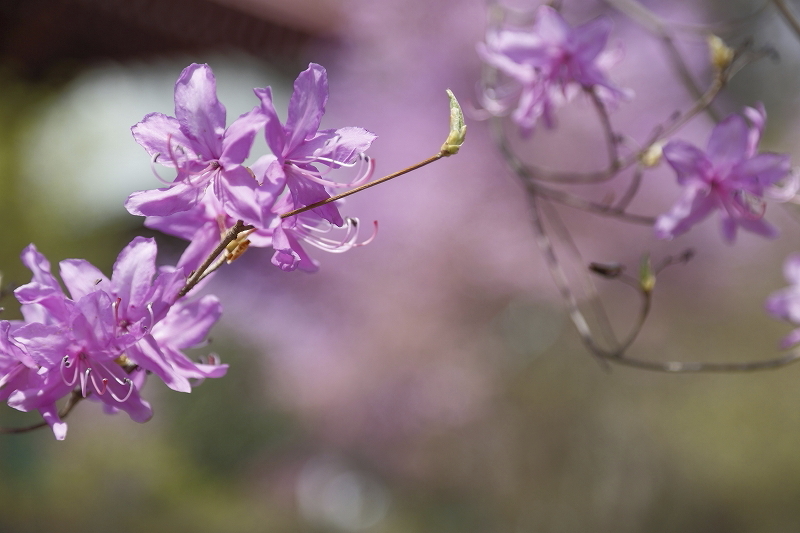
{"points": [[199, 274], [72, 401], [366, 185]]}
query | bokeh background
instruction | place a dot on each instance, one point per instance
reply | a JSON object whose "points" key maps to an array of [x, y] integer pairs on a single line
{"points": [[431, 380]]}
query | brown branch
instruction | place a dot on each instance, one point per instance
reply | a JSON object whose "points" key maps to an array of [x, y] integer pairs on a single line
{"points": [[199, 274], [788, 16]]}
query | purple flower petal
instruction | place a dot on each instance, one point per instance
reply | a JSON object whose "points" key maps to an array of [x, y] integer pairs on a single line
{"points": [[273, 129], [81, 277], [161, 135], [762, 170], [163, 202], [199, 112], [693, 206], [688, 161], [589, 39], [307, 105], [133, 272], [728, 142], [147, 354], [348, 144], [239, 137]]}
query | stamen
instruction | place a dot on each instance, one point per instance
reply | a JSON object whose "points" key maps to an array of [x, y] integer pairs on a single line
{"points": [[371, 237], [84, 380], [104, 382], [328, 160], [316, 175], [153, 162], [65, 363], [121, 381], [786, 192], [131, 386], [115, 308], [748, 204], [152, 317]]}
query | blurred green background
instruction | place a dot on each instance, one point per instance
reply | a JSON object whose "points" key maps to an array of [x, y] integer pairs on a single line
{"points": [[429, 381]]}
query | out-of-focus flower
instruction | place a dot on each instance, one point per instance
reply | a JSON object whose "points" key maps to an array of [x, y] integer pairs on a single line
{"points": [[785, 303], [551, 62], [106, 335], [299, 146], [729, 176], [204, 153]]}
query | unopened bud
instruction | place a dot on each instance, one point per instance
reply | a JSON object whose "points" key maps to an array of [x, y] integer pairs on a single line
{"points": [[652, 156], [458, 129], [647, 277], [607, 270], [236, 248], [721, 54]]}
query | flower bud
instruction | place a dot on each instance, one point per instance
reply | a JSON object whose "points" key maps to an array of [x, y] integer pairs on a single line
{"points": [[458, 130], [721, 54], [652, 156], [647, 277]]}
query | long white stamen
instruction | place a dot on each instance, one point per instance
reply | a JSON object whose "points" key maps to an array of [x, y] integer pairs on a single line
{"points": [[104, 382], [131, 386], [65, 363]]}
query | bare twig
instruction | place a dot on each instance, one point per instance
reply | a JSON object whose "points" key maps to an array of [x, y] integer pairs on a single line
{"points": [[788, 16], [200, 273], [365, 186], [72, 401]]}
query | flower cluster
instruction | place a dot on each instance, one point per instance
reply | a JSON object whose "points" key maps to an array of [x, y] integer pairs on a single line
{"points": [[213, 189], [537, 67], [103, 339], [785, 303], [730, 176], [550, 62]]}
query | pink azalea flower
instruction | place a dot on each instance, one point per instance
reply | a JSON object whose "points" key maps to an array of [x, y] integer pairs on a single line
{"points": [[550, 62], [785, 303], [730, 176], [299, 146], [107, 334], [205, 154]]}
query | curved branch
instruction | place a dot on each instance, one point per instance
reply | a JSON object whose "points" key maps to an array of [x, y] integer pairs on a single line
{"points": [[682, 367]]}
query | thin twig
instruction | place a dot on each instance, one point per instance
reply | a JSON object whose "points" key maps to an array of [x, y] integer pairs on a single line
{"points": [[198, 274], [788, 16], [681, 367], [593, 299], [72, 401], [588, 206], [608, 130], [561, 282], [365, 186], [631, 191]]}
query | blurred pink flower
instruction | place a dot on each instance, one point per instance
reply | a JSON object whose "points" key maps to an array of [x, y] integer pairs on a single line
{"points": [[729, 176], [785, 303], [551, 61]]}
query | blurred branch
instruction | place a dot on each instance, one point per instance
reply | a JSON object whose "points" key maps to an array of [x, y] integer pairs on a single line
{"points": [[655, 25], [788, 16]]}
